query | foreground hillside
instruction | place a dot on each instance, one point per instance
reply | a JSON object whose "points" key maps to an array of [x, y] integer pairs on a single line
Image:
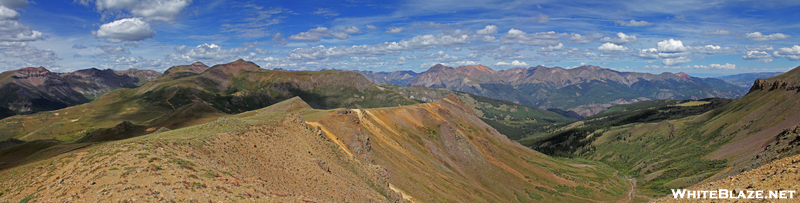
{"points": [[586, 90], [432, 152], [736, 137]]}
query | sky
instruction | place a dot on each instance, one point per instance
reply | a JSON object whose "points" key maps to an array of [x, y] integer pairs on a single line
{"points": [[702, 38]]}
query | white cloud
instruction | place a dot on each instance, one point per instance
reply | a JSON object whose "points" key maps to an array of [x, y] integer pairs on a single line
{"points": [[497, 52], [341, 35], [611, 47], [206, 52], [559, 47], [127, 29], [12, 30], [675, 61], [762, 56], [712, 49], [394, 29], [620, 39], [716, 32], [578, 53], [150, 10], [671, 46], [351, 30], [113, 50], [489, 29], [725, 66], [31, 55], [8, 14], [762, 47], [327, 12], [757, 36], [791, 53], [372, 27], [514, 63], [633, 23], [585, 39], [550, 38], [313, 35], [14, 4], [541, 18], [79, 46], [419, 43]]}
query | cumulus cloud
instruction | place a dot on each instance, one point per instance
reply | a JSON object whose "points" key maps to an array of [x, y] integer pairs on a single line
{"points": [[762, 47], [620, 39], [419, 43], [489, 29], [671, 46], [327, 12], [498, 52], [578, 53], [206, 52], [14, 4], [11, 29], [583, 39], [351, 30], [31, 55], [676, 61], [78, 46], [791, 53], [611, 47], [372, 27], [633, 23], [127, 29], [716, 32], [114, 50], [761, 56], [757, 36], [541, 18], [8, 14], [514, 63], [712, 49], [149, 10], [394, 29], [313, 35], [550, 38], [341, 35], [723, 66], [559, 47]]}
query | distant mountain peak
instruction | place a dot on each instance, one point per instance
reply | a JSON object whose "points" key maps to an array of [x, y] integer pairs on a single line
{"points": [[200, 64], [683, 75]]}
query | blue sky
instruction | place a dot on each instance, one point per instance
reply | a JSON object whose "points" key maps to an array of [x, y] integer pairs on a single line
{"points": [[707, 38]]}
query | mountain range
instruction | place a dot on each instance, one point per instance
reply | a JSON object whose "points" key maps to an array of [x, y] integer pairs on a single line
{"points": [[30, 90], [586, 90], [692, 142], [745, 80], [236, 132]]}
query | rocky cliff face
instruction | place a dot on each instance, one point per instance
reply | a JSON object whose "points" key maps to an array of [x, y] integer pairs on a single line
{"points": [[762, 84]]}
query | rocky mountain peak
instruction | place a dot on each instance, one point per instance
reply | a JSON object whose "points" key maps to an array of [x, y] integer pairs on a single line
{"points": [[683, 75], [31, 72]]}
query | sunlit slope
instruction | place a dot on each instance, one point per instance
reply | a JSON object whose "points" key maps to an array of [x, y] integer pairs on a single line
{"points": [[741, 135], [184, 97], [441, 151], [432, 152]]}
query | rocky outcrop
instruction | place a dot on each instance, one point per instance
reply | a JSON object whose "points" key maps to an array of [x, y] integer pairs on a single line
{"points": [[762, 84]]}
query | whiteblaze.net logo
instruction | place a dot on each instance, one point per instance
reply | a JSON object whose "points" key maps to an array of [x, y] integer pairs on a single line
{"points": [[732, 194]]}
